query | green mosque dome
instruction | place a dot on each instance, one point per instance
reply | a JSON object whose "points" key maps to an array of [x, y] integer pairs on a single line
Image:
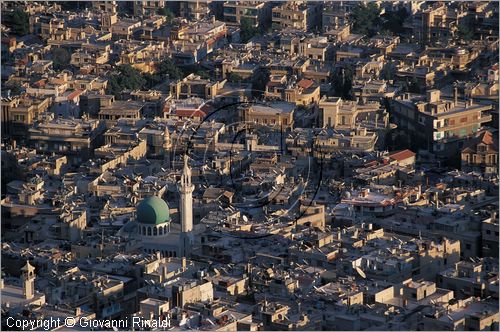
{"points": [[152, 210]]}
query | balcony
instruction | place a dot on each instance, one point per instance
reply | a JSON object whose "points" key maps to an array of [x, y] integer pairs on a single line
{"points": [[485, 118]]}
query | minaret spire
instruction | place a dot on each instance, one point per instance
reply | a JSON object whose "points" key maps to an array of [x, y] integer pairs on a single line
{"points": [[186, 189], [186, 174], [28, 280]]}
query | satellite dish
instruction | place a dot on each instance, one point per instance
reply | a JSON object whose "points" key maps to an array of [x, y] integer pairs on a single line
{"points": [[245, 218], [360, 272]]}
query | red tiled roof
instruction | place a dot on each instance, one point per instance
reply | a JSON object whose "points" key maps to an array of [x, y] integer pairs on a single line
{"points": [[190, 113], [74, 94], [484, 137], [402, 155], [487, 138], [206, 108], [371, 163], [271, 84], [304, 84], [40, 83]]}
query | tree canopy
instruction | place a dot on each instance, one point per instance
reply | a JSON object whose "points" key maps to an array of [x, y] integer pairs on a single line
{"points": [[60, 58], [126, 77], [234, 78], [341, 81], [19, 22], [393, 21], [465, 33], [248, 30], [166, 69], [167, 13], [366, 18], [259, 82]]}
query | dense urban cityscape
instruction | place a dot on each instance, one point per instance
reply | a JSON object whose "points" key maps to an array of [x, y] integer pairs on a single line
{"points": [[246, 165]]}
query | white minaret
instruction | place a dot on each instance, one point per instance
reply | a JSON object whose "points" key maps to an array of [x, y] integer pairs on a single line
{"points": [[28, 281], [186, 209]]}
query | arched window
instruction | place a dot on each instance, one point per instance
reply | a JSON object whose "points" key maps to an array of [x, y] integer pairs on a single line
{"points": [[160, 230], [155, 231], [143, 230], [175, 254], [149, 230]]}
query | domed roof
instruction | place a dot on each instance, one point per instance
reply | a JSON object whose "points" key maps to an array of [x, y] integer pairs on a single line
{"points": [[152, 210]]}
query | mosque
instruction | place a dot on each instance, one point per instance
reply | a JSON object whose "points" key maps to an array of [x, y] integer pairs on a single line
{"points": [[157, 231]]}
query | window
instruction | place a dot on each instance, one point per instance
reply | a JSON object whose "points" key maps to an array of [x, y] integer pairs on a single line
{"points": [[19, 118], [468, 246]]}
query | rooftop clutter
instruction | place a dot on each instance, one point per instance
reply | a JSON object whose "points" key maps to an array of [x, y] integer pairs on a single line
{"points": [[250, 165]]}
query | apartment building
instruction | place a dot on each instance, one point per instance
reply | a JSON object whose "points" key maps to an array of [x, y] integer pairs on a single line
{"points": [[298, 15], [194, 86], [193, 10], [303, 92], [439, 125], [147, 8], [110, 7], [346, 114], [257, 13], [275, 114], [437, 22], [19, 113], [76, 138]]}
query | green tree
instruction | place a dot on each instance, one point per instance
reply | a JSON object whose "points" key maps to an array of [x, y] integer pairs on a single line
{"points": [[247, 30], [126, 77], [465, 33], [341, 81], [393, 21], [165, 70], [366, 18], [388, 72], [167, 13], [20, 22], [168, 69], [413, 86], [15, 89], [259, 82], [234, 78], [60, 58]]}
